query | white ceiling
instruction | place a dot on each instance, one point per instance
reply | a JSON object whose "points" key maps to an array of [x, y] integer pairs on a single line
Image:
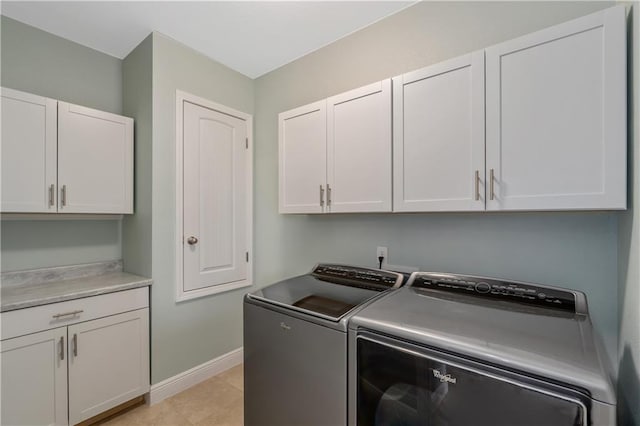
{"points": [[251, 37]]}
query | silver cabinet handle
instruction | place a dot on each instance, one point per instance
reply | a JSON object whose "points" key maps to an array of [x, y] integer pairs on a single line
{"points": [[321, 196], [51, 194], [477, 185], [75, 344], [62, 348], [192, 240], [491, 179], [285, 326], [66, 314], [328, 195], [63, 196]]}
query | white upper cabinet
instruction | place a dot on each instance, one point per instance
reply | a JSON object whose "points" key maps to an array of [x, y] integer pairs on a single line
{"points": [[95, 161], [438, 137], [534, 123], [64, 158], [335, 154], [28, 153], [302, 144], [556, 117], [359, 150]]}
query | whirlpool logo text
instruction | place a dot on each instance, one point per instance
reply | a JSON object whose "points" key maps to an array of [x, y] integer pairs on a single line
{"points": [[444, 378]]}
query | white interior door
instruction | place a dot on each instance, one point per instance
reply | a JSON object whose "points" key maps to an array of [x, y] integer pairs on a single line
{"points": [[438, 137], [215, 251], [34, 379], [28, 152]]}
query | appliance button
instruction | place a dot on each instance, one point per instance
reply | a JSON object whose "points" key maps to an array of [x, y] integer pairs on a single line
{"points": [[483, 287], [542, 295]]}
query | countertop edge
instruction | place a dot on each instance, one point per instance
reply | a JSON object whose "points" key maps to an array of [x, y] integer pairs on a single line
{"points": [[137, 283]]}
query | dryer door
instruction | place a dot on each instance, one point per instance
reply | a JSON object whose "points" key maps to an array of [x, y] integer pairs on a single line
{"points": [[403, 384]]}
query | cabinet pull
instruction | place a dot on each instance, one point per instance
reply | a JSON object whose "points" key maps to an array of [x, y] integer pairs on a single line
{"points": [[477, 185], [51, 192], [62, 348], [284, 326], [66, 314], [321, 196], [63, 195], [75, 344], [491, 179], [328, 195]]}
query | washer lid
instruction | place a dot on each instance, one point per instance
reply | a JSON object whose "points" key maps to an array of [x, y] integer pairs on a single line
{"points": [[559, 347], [303, 292]]}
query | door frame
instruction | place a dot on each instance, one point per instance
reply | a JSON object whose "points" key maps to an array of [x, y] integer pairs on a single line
{"points": [[181, 294]]}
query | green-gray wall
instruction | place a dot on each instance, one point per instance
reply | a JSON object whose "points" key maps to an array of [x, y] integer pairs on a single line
{"points": [[39, 62], [137, 98], [575, 250], [189, 333], [628, 245]]}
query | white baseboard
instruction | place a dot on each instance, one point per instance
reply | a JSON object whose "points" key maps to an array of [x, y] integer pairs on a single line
{"points": [[183, 381]]}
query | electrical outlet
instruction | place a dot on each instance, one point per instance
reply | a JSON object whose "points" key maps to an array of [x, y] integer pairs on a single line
{"points": [[382, 252]]}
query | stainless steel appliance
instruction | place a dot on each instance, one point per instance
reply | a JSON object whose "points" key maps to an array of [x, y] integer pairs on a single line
{"points": [[295, 344], [460, 350]]}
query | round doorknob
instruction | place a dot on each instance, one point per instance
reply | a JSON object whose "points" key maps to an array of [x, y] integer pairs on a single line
{"points": [[192, 240]]}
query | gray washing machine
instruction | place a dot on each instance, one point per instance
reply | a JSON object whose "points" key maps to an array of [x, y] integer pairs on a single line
{"points": [[460, 350], [295, 344]]}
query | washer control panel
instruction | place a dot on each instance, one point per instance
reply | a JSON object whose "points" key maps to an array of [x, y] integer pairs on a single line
{"points": [[371, 279], [489, 288]]}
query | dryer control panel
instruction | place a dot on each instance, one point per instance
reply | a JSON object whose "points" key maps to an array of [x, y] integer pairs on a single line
{"points": [[371, 279], [498, 290]]}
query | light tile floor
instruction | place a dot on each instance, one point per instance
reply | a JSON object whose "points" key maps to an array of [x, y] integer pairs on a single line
{"points": [[217, 401]]}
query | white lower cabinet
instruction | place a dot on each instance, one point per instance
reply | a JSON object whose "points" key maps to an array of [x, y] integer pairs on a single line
{"points": [[108, 363], [34, 379], [71, 373]]}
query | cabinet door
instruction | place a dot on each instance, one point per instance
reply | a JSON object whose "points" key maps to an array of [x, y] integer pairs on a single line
{"points": [[556, 117], [95, 161], [302, 145], [28, 153], [438, 137], [34, 379], [108, 363], [359, 150]]}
